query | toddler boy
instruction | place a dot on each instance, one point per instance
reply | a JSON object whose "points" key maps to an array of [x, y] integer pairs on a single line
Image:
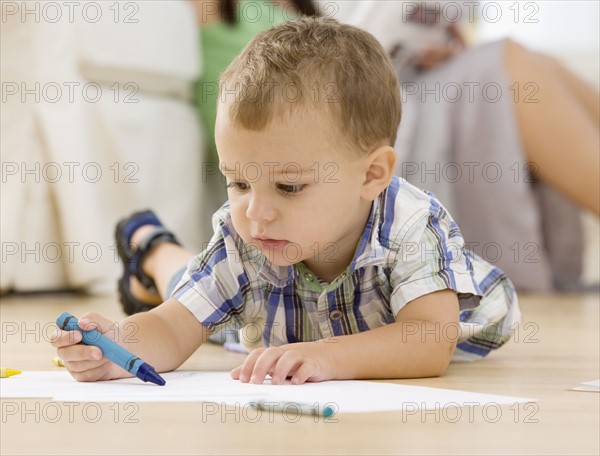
{"points": [[351, 272]]}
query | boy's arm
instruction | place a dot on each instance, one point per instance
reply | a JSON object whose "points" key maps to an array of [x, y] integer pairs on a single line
{"points": [[164, 337], [419, 344]]}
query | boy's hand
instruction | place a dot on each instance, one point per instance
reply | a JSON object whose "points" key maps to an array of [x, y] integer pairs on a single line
{"points": [[85, 362], [295, 361]]}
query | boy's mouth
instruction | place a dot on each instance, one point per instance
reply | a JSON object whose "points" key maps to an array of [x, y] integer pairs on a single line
{"points": [[271, 244]]}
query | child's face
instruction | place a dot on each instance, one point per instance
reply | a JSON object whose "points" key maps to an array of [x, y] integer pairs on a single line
{"points": [[295, 193]]}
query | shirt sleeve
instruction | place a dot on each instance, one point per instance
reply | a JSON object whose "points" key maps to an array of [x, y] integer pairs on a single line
{"points": [[214, 285], [431, 257]]}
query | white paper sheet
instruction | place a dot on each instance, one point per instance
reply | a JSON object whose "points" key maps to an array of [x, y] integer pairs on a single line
{"points": [[591, 386], [218, 387], [36, 384]]}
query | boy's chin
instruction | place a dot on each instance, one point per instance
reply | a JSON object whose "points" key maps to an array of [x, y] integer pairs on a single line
{"points": [[277, 260]]}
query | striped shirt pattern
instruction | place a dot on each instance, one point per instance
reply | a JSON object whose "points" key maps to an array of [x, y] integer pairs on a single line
{"points": [[410, 247]]}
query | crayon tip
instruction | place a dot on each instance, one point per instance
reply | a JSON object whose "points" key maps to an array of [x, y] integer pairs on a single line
{"points": [[7, 372], [147, 373], [155, 378]]}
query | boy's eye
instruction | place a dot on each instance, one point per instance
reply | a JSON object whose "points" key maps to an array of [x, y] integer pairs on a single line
{"points": [[291, 188], [239, 186]]}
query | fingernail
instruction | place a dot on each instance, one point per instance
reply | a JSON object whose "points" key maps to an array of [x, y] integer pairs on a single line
{"points": [[253, 379], [243, 378], [96, 355]]}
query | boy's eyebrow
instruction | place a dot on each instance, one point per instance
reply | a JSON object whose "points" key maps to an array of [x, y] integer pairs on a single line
{"points": [[288, 169]]}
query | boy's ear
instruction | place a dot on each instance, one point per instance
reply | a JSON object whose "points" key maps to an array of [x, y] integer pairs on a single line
{"points": [[381, 164]]}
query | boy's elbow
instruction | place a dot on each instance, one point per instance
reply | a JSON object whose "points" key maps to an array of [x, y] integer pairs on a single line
{"points": [[441, 369], [440, 365], [436, 369], [434, 365]]}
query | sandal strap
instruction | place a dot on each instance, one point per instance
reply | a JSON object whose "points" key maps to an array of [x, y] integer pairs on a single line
{"points": [[157, 236], [131, 305]]}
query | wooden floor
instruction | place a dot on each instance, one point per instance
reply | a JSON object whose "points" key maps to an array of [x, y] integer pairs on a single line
{"points": [[555, 347]]}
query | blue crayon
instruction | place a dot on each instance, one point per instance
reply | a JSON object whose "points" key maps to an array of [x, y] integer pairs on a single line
{"points": [[111, 350]]}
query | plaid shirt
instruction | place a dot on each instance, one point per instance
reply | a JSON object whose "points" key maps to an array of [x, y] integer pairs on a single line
{"points": [[410, 247]]}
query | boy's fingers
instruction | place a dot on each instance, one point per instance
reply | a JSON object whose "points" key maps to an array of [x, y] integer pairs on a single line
{"points": [[286, 366], [248, 365], [265, 362], [88, 321], [82, 366], [79, 353], [304, 372], [64, 338], [55, 335], [102, 372], [92, 320], [235, 372]]}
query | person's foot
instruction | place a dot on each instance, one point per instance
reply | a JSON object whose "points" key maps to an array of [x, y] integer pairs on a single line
{"points": [[137, 289], [137, 236]]}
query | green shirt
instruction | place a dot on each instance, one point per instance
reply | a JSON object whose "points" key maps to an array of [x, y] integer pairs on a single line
{"points": [[220, 44]]}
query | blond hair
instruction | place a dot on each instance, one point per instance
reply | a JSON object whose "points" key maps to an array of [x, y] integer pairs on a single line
{"points": [[340, 67]]}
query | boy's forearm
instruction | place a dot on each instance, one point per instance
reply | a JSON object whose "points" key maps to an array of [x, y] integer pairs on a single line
{"points": [[406, 349], [159, 338]]}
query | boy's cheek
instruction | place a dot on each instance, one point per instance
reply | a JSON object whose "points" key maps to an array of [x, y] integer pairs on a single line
{"points": [[238, 219]]}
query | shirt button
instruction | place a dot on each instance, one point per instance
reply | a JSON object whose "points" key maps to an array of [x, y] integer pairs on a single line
{"points": [[336, 315], [309, 277]]}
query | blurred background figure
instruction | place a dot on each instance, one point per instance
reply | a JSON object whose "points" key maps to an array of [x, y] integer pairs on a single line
{"points": [[507, 138], [97, 121]]}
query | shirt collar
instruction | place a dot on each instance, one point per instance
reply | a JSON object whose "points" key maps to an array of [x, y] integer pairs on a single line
{"points": [[278, 276], [369, 251]]}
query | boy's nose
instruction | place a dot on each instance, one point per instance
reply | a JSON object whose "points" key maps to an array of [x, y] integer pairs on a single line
{"points": [[260, 209]]}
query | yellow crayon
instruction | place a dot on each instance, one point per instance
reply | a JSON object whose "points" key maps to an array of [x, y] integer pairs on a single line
{"points": [[8, 372], [59, 362]]}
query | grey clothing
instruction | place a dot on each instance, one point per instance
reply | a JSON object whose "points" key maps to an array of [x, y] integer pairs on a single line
{"points": [[459, 138]]}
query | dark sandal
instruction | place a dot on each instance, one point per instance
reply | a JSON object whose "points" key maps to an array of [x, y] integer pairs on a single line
{"points": [[131, 304], [133, 256]]}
